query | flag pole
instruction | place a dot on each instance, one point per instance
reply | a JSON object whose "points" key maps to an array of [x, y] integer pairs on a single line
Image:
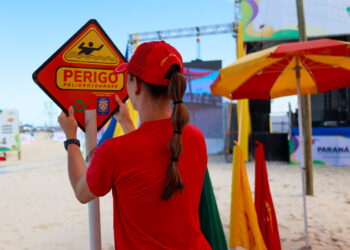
{"points": [[94, 205]]}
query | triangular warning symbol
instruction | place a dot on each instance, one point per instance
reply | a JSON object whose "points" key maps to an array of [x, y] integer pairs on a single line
{"points": [[91, 48]]}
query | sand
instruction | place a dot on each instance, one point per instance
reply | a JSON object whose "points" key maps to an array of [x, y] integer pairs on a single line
{"points": [[38, 209]]}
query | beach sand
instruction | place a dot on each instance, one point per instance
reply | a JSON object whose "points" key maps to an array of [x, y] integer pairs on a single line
{"points": [[38, 209]]}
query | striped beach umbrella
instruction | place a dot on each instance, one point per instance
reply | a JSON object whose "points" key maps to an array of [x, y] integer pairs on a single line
{"points": [[310, 67]]}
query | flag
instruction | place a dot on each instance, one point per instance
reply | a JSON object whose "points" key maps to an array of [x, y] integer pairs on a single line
{"points": [[244, 227], [263, 202], [109, 131], [209, 217], [243, 114], [134, 117]]}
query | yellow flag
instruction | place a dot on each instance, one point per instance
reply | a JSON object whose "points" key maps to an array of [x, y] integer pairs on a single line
{"points": [[243, 114], [134, 117], [244, 227]]}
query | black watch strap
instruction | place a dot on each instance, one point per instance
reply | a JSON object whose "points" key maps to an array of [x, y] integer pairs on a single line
{"points": [[71, 141]]}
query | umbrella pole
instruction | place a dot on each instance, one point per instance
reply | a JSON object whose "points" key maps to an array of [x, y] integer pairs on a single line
{"points": [[302, 163]]}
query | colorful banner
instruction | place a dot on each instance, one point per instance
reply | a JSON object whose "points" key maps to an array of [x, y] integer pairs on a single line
{"points": [[199, 80], [9, 130], [205, 109], [277, 19], [326, 150]]}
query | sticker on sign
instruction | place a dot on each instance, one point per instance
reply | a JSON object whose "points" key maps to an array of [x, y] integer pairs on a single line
{"points": [[81, 74]]}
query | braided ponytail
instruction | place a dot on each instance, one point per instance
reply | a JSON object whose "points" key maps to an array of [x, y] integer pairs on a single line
{"points": [[180, 117]]}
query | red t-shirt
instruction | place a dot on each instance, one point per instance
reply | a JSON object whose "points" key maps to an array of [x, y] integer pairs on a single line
{"points": [[134, 166]]}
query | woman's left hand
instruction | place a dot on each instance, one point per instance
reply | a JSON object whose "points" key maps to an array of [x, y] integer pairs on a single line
{"points": [[68, 124]]}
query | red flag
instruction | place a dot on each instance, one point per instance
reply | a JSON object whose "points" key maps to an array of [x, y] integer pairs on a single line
{"points": [[263, 202]]}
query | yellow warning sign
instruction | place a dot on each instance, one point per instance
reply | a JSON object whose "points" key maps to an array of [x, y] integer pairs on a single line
{"points": [[91, 48]]}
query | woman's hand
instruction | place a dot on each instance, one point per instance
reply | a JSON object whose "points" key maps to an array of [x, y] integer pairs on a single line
{"points": [[123, 112], [68, 124], [123, 116]]}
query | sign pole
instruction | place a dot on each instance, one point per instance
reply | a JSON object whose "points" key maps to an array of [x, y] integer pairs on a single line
{"points": [[94, 205]]}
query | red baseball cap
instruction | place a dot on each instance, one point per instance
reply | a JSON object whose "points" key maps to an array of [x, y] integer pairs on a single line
{"points": [[151, 61]]}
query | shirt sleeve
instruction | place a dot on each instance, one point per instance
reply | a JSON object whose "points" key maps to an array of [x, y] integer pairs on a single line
{"points": [[99, 175]]}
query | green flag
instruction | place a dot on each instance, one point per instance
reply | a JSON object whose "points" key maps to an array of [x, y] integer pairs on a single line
{"points": [[209, 217]]}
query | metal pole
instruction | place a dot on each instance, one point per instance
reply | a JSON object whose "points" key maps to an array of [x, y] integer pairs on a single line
{"points": [[94, 205], [302, 162]]}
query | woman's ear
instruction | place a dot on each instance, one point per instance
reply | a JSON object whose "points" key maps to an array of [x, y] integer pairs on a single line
{"points": [[138, 86]]}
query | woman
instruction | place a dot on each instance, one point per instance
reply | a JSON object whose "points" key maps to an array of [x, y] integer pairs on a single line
{"points": [[156, 171]]}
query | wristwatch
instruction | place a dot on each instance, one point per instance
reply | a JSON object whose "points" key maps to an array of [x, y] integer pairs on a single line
{"points": [[71, 141]]}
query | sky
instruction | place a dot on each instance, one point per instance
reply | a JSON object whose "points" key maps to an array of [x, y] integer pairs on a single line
{"points": [[33, 30]]}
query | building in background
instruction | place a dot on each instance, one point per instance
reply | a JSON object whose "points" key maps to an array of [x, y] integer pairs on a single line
{"points": [[205, 109]]}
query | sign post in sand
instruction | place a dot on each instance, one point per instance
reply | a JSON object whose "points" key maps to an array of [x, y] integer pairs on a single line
{"points": [[81, 74]]}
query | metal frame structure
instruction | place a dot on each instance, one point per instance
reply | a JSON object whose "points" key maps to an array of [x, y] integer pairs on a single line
{"points": [[134, 38]]}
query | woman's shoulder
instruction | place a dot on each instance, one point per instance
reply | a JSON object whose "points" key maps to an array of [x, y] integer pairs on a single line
{"points": [[192, 130], [193, 140]]}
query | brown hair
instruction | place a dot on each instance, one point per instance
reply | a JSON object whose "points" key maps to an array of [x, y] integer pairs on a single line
{"points": [[180, 118]]}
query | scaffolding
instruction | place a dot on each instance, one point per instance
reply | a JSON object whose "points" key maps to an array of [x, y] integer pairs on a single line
{"points": [[216, 29]]}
